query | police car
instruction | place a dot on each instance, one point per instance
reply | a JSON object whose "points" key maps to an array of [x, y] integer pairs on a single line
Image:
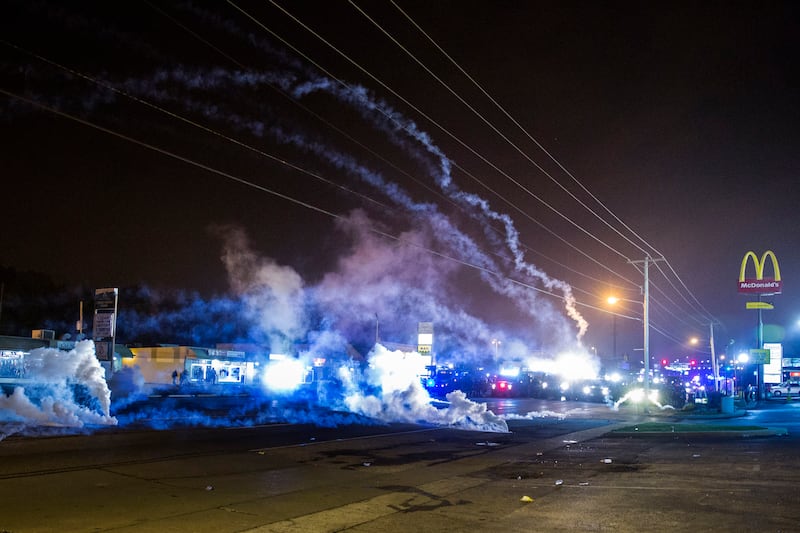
{"points": [[787, 388]]}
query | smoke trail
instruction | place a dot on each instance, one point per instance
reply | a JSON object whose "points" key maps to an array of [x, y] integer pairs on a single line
{"points": [[381, 116], [391, 123]]}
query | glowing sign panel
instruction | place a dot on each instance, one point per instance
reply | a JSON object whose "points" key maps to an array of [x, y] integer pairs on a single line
{"points": [[759, 357], [425, 337], [760, 284]]}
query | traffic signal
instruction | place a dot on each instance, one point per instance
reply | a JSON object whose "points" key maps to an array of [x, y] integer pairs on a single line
{"points": [[693, 362], [664, 362]]}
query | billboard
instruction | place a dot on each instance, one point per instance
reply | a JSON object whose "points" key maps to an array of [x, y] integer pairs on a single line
{"points": [[105, 322], [425, 337], [773, 370]]}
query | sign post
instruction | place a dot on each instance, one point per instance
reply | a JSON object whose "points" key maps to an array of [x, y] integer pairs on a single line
{"points": [[763, 286], [425, 339], [104, 326]]}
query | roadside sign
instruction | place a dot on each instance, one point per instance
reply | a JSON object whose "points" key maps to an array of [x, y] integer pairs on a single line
{"points": [[759, 357]]}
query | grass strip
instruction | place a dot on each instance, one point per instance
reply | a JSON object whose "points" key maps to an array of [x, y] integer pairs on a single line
{"points": [[666, 427]]}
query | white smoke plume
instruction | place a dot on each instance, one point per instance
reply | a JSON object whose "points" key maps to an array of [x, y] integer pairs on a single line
{"points": [[66, 388], [273, 294], [390, 389]]}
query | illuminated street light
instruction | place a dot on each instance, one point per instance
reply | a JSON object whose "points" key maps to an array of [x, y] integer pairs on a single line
{"points": [[742, 359], [496, 343]]}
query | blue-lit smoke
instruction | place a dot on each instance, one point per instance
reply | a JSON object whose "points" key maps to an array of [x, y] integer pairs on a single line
{"points": [[61, 388], [389, 389]]}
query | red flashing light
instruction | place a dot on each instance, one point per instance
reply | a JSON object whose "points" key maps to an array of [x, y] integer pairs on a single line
{"points": [[693, 362], [664, 362]]}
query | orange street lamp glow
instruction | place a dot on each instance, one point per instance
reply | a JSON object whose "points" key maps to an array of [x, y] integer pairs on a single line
{"points": [[612, 300]]}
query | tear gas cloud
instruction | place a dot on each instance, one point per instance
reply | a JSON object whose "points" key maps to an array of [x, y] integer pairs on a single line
{"points": [[417, 259], [63, 388]]}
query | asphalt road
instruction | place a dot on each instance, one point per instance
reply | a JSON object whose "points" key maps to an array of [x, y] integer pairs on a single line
{"points": [[558, 470]]}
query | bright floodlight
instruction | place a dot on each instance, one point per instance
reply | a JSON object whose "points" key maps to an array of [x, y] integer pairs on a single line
{"points": [[743, 357], [612, 300], [654, 395], [637, 395], [284, 375], [509, 372]]}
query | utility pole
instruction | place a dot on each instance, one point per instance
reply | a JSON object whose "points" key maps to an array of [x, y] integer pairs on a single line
{"points": [[646, 317], [714, 365]]}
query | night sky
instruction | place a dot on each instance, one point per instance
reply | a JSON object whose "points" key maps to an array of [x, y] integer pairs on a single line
{"points": [[223, 148]]}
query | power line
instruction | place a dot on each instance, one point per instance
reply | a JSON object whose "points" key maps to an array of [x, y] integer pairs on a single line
{"points": [[485, 120], [422, 113], [267, 190], [535, 141]]}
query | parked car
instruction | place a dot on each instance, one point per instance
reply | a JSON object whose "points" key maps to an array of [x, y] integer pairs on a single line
{"points": [[787, 388]]}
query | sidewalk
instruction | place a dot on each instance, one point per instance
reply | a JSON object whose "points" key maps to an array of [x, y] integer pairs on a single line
{"points": [[673, 422]]}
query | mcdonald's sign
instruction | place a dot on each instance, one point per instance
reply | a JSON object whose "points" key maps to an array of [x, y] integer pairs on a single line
{"points": [[760, 284]]}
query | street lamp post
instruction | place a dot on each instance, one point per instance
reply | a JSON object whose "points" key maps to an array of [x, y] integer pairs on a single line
{"points": [[612, 300]]}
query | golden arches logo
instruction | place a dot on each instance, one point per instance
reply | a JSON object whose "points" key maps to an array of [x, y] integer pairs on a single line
{"points": [[760, 284]]}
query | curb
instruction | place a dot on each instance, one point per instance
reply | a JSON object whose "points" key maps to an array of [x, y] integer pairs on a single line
{"points": [[766, 432]]}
